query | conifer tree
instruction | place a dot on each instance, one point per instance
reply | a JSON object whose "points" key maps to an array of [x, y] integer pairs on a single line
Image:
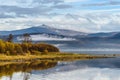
{"points": [[10, 38]]}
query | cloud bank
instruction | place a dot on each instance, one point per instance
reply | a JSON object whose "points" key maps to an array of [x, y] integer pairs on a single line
{"points": [[80, 15]]}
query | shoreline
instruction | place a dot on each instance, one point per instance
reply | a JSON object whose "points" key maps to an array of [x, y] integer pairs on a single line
{"points": [[50, 57]]}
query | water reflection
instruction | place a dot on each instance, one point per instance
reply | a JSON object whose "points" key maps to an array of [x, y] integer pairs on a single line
{"points": [[25, 68], [96, 69]]}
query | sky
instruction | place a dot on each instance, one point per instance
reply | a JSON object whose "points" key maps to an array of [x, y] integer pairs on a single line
{"points": [[79, 15]]}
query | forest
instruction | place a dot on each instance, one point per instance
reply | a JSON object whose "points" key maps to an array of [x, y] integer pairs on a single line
{"points": [[8, 47]]}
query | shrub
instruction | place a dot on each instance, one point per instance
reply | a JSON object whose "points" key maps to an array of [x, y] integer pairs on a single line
{"points": [[33, 52], [2, 46], [10, 48], [18, 49]]}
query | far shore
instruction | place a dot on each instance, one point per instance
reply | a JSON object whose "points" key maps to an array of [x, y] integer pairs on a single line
{"points": [[57, 56]]}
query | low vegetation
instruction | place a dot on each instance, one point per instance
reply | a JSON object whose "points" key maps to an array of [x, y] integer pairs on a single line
{"points": [[10, 48], [56, 56], [27, 51]]}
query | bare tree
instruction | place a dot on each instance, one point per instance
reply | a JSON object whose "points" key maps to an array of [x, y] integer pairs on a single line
{"points": [[27, 38]]}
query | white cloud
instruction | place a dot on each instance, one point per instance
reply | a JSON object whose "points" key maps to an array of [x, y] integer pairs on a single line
{"points": [[44, 37], [22, 3], [74, 0], [91, 22], [18, 14], [83, 20], [103, 3]]}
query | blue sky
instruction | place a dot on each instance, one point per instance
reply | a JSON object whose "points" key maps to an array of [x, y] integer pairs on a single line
{"points": [[80, 15]]}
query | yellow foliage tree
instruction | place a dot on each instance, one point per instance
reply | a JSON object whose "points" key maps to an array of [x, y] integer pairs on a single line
{"points": [[2, 47]]}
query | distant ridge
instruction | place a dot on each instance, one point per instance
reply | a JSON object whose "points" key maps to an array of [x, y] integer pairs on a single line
{"points": [[48, 30], [42, 29]]}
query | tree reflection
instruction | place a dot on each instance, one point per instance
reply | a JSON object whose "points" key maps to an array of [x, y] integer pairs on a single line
{"points": [[26, 68], [26, 76]]}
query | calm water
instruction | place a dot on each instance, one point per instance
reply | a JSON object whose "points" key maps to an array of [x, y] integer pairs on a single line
{"points": [[89, 48], [98, 69]]}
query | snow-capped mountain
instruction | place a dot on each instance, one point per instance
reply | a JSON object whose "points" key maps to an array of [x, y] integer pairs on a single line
{"points": [[44, 32], [43, 29]]}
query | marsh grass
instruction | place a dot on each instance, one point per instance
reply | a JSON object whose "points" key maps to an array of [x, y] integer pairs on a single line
{"points": [[51, 56]]}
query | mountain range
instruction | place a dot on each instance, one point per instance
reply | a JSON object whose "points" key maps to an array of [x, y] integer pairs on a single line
{"points": [[48, 33], [42, 29]]}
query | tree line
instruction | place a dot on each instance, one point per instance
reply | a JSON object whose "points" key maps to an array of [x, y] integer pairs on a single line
{"points": [[26, 47]]}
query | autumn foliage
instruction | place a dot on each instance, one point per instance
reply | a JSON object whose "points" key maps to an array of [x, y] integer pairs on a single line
{"points": [[10, 48]]}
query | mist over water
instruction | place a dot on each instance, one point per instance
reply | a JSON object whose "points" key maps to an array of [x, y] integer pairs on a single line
{"points": [[88, 48], [93, 50]]}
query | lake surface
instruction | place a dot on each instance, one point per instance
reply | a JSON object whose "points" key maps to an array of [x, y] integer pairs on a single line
{"points": [[88, 47], [97, 69]]}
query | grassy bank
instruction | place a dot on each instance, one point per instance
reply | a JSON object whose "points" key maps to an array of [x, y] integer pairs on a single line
{"points": [[27, 51], [48, 57]]}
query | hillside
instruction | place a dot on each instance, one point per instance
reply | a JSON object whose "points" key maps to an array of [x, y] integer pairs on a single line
{"points": [[43, 29], [48, 33], [43, 32]]}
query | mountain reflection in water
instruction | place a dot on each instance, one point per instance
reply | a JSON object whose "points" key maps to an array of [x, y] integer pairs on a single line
{"points": [[8, 69]]}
